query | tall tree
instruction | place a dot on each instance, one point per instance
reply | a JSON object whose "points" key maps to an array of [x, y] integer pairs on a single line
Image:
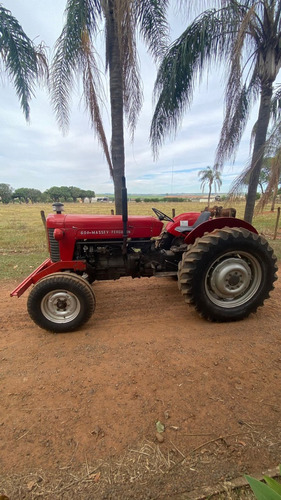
{"points": [[6, 193], [22, 60], [76, 54], [209, 177], [244, 34]]}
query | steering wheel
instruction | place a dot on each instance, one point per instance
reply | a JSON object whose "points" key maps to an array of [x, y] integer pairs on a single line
{"points": [[161, 215]]}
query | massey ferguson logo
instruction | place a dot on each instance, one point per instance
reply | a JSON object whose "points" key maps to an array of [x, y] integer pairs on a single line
{"points": [[104, 232]]}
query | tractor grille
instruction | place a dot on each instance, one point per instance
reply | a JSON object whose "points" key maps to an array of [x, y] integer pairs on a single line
{"points": [[54, 246]]}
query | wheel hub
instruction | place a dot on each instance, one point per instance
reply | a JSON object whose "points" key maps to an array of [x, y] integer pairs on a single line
{"points": [[234, 280], [60, 306], [230, 278]]}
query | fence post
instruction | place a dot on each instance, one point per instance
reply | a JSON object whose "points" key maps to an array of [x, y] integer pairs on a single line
{"points": [[43, 217], [277, 222], [173, 212], [112, 211]]}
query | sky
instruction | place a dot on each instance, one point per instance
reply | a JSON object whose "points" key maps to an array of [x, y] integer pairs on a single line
{"points": [[37, 155]]}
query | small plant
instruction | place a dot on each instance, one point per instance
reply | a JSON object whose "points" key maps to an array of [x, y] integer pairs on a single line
{"points": [[270, 490]]}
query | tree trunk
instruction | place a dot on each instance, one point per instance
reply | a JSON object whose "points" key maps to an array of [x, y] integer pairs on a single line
{"points": [[116, 101], [275, 191], [209, 195], [258, 152]]}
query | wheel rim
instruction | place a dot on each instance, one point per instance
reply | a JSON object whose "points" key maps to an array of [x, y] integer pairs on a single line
{"points": [[60, 306], [233, 279]]}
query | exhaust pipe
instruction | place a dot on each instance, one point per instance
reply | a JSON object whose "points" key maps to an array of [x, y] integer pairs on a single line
{"points": [[124, 215]]}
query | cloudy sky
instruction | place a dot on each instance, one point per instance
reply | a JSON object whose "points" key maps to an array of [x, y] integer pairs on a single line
{"points": [[37, 155]]}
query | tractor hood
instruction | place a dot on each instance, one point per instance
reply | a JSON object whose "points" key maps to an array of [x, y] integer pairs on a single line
{"points": [[105, 226]]}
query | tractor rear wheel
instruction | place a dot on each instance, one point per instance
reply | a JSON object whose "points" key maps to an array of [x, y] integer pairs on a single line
{"points": [[227, 274], [61, 302]]}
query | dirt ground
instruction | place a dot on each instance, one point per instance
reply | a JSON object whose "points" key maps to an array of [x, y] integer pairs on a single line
{"points": [[80, 412]]}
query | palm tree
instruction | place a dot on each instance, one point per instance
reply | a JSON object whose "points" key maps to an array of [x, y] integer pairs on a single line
{"points": [[76, 54], [246, 35], [21, 59], [208, 177]]}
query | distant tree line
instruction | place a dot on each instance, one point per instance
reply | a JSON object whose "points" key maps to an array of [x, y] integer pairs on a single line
{"points": [[55, 193], [155, 199], [171, 199]]}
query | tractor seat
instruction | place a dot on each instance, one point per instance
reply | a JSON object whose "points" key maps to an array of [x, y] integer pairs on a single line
{"points": [[203, 217]]}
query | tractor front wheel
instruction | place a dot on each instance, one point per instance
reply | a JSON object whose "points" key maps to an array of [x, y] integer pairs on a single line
{"points": [[227, 274], [61, 302]]}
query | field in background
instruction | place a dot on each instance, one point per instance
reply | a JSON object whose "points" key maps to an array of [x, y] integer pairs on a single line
{"points": [[23, 241]]}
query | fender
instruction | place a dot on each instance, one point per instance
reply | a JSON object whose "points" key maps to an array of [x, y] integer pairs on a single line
{"points": [[47, 267], [219, 223]]}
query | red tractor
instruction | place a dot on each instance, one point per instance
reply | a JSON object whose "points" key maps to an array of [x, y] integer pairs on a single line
{"points": [[223, 266]]}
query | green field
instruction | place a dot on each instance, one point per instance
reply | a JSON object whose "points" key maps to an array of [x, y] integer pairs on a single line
{"points": [[23, 241]]}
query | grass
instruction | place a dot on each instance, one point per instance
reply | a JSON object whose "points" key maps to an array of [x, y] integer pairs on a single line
{"points": [[23, 241]]}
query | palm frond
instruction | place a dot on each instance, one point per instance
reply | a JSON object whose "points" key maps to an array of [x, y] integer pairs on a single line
{"points": [[125, 19], [238, 185], [91, 98], [23, 61], [273, 182], [272, 186], [239, 96], [75, 54], [273, 139], [207, 40], [240, 100], [238, 107], [151, 18], [269, 149], [193, 8], [276, 103], [42, 64], [81, 16]]}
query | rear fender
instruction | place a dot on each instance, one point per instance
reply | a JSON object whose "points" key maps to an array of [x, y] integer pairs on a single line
{"points": [[219, 223], [47, 267]]}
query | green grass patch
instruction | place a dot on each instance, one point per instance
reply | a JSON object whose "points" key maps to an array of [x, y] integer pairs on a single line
{"points": [[17, 266]]}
